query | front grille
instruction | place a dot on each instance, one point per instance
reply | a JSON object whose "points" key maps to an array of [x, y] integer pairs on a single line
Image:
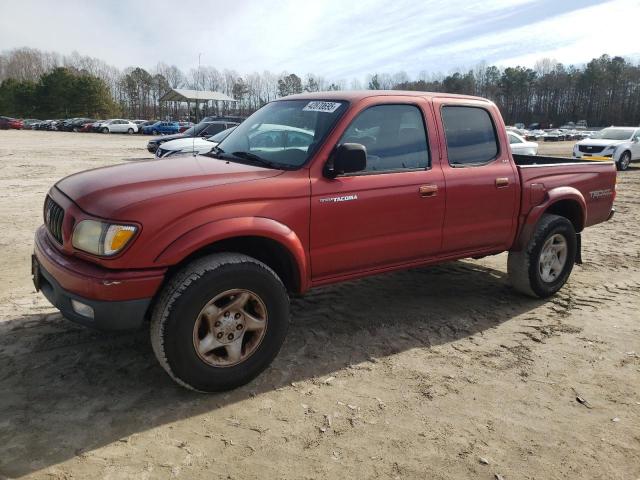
{"points": [[590, 148], [53, 217]]}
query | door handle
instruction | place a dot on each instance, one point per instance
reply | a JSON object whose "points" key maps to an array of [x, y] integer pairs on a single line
{"points": [[428, 190], [502, 182]]}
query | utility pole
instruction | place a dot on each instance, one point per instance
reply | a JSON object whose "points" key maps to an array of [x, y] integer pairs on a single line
{"points": [[201, 83]]}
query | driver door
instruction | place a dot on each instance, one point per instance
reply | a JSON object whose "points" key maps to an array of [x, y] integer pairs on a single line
{"points": [[389, 214]]}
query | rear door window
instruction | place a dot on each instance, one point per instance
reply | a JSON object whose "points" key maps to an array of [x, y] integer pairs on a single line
{"points": [[470, 134]]}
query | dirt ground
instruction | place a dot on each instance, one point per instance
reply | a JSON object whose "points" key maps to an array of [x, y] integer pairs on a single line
{"points": [[433, 373]]}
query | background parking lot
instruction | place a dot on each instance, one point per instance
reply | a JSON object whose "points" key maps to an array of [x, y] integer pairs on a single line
{"points": [[417, 374]]}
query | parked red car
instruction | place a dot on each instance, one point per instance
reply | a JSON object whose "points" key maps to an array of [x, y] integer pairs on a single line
{"points": [[7, 123], [86, 126], [91, 127], [311, 190]]}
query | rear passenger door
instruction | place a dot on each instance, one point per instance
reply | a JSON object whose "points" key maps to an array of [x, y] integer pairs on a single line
{"points": [[482, 192], [392, 212]]}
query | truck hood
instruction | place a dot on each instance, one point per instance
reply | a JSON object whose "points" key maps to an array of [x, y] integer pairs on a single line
{"points": [[103, 192]]}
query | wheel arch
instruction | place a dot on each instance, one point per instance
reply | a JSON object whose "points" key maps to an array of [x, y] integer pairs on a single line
{"points": [[266, 240], [571, 209], [566, 202]]}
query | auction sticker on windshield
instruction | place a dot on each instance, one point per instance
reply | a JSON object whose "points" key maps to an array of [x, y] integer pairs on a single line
{"points": [[326, 107]]}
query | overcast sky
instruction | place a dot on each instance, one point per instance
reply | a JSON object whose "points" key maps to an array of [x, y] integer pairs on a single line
{"points": [[338, 39]]}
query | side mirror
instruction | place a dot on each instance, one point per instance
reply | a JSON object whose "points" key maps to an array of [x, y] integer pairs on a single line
{"points": [[348, 158]]}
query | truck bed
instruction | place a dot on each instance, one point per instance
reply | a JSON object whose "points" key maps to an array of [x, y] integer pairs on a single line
{"points": [[594, 179]]}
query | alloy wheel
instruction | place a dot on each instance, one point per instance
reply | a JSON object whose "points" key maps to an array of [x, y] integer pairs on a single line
{"points": [[230, 328]]}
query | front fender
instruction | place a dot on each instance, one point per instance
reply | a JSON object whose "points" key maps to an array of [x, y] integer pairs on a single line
{"points": [[552, 197], [212, 232]]}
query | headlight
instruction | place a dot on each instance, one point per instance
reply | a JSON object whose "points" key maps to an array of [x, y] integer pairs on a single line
{"points": [[610, 148], [100, 238]]}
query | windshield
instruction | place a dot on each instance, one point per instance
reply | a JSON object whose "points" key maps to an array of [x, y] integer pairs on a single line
{"points": [[614, 134], [283, 134]]}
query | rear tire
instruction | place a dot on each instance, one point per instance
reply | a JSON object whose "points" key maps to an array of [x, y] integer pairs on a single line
{"points": [[624, 161], [544, 265], [188, 315]]}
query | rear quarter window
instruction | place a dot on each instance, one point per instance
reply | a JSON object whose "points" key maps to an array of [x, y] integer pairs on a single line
{"points": [[470, 135]]}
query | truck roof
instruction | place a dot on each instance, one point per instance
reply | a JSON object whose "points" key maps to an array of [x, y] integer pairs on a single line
{"points": [[356, 95]]}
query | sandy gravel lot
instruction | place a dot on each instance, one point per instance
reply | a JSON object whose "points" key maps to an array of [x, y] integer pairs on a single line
{"points": [[417, 374]]}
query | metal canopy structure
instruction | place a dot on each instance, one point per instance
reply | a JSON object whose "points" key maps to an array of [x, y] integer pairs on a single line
{"points": [[183, 95]]}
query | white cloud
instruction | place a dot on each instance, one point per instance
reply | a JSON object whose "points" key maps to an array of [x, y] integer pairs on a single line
{"points": [[334, 38]]}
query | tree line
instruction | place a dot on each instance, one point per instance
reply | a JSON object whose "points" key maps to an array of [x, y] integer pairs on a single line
{"points": [[41, 84]]}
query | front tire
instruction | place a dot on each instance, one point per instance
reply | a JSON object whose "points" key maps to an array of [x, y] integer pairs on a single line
{"points": [[130, 131], [154, 132], [624, 161], [544, 265], [105, 130], [220, 322]]}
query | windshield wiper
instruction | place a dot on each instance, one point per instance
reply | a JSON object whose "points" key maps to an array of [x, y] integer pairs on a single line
{"points": [[255, 158], [216, 152]]}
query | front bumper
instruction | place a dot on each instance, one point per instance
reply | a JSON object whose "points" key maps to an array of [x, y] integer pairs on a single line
{"points": [[106, 315], [593, 156], [119, 299]]}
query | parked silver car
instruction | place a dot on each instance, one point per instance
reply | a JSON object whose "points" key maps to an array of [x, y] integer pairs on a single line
{"points": [[519, 145], [118, 126]]}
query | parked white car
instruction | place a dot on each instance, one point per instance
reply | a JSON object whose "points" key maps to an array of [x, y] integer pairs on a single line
{"points": [[118, 126], [521, 146], [621, 144], [192, 145]]}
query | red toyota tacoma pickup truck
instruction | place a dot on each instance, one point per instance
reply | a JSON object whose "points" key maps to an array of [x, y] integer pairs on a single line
{"points": [[312, 189]]}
